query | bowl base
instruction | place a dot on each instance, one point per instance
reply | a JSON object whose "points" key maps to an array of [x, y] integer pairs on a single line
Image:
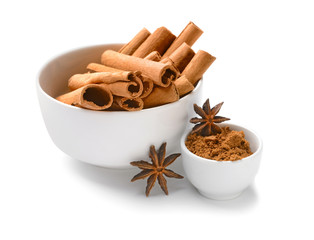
{"points": [[219, 197]]}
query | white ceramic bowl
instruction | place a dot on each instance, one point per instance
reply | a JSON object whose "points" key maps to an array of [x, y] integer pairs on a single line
{"points": [[222, 180], [108, 139]]}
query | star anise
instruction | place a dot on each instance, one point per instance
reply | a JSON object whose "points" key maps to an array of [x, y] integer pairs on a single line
{"points": [[206, 125], [155, 170]]}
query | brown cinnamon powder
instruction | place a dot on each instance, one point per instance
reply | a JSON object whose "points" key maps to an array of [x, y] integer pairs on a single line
{"points": [[229, 145]]}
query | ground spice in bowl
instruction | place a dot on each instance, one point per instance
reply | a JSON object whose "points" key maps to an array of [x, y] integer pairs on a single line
{"points": [[229, 145]]}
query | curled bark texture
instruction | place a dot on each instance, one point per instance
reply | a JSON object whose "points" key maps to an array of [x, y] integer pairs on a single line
{"points": [[159, 41], [198, 66], [160, 96], [139, 38], [161, 74], [189, 35], [91, 96]]}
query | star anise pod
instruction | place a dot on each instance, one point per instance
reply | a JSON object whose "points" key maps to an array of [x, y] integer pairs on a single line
{"points": [[206, 125], [155, 170]]}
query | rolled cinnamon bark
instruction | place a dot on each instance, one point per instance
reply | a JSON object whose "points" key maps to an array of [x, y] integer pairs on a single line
{"points": [[161, 74], [189, 35], [198, 66], [183, 85], [148, 86], [153, 56], [97, 67], [160, 96], [129, 89], [80, 80], [181, 56], [127, 104], [159, 40], [92, 96], [136, 76], [168, 61], [139, 38]]}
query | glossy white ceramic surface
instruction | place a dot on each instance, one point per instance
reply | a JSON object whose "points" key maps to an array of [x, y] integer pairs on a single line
{"points": [[222, 180], [108, 139]]}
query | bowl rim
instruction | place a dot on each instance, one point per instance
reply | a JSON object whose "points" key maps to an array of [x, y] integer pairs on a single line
{"points": [[204, 160], [40, 89]]}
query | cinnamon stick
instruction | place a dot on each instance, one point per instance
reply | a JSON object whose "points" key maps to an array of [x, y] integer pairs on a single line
{"points": [[189, 35], [159, 41], [183, 85], [139, 38], [198, 66], [161, 74], [160, 96], [169, 62], [147, 83], [92, 96], [127, 104], [80, 80], [181, 56], [128, 89], [153, 56], [96, 67], [147, 86]]}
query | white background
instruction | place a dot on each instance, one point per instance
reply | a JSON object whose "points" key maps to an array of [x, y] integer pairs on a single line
{"points": [[263, 73]]}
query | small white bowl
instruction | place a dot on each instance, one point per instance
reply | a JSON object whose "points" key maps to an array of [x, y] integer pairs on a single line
{"points": [[222, 180], [107, 139]]}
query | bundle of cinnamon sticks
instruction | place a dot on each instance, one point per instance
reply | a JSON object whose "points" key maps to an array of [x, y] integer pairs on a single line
{"points": [[153, 69]]}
